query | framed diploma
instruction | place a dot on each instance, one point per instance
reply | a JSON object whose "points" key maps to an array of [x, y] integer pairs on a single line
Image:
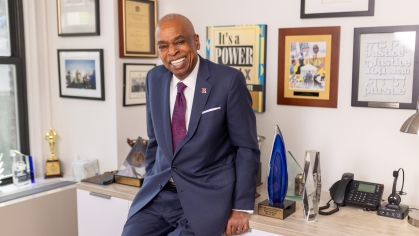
{"points": [[385, 67], [336, 8], [308, 66], [78, 17], [134, 83], [137, 20]]}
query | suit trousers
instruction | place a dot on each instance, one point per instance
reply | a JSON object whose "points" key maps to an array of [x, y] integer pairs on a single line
{"points": [[161, 216]]}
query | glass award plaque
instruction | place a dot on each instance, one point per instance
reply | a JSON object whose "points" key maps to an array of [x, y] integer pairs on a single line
{"points": [[295, 174], [311, 182]]}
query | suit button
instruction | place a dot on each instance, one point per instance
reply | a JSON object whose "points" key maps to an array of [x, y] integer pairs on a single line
{"points": [[174, 168], [160, 187]]}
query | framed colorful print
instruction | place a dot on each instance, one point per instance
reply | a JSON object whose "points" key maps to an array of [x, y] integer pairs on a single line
{"points": [[81, 73], [78, 17], [134, 83], [137, 21], [385, 67], [308, 66], [336, 8], [244, 48]]}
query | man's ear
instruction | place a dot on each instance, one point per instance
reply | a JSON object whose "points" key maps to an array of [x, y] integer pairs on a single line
{"points": [[197, 43]]}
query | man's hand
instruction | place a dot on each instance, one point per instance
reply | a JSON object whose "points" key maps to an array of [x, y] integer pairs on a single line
{"points": [[238, 223]]}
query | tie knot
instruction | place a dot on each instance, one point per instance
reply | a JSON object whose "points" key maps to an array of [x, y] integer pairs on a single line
{"points": [[180, 87]]}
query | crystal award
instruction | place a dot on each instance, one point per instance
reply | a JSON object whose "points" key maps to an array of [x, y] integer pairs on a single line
{"points": [[311, 183]]}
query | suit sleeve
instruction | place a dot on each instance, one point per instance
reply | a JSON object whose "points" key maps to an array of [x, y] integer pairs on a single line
{"points": [[243, 134], [152, 143]]}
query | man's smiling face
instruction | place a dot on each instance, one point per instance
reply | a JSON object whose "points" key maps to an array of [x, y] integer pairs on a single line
{"points": [[177, 44]]}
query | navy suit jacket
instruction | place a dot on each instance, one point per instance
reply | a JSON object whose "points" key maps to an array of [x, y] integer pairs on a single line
{"points": [[216, 164]]}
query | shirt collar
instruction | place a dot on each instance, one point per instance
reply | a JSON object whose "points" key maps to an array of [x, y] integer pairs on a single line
{"points": [[190, 80]]}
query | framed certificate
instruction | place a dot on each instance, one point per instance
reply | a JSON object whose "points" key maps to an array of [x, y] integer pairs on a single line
{"points": [[308, 66], [385, 67], [78, 17], [137, 21]]}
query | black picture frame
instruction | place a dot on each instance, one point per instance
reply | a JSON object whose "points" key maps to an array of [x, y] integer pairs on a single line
{"points": [[369, 78], [81, 73], [78, 18], [134, 83], [361, 12]]}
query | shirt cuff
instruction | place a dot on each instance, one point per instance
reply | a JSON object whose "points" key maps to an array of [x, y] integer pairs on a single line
{"points": [[248, 211]]}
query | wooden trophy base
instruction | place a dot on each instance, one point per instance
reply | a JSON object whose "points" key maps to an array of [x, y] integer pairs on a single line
{"points": [[53, 169]]}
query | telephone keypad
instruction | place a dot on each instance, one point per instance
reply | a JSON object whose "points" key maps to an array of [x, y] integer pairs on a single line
{"points": [[369, 199]]}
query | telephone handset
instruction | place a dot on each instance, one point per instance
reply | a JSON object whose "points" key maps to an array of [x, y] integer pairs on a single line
{"points": [[348, 191]]}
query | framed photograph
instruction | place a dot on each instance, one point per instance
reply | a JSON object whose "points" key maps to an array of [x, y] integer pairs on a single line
{"points": [[134, 83], [81, 73], [385, 69], [308, 66], [137, 21], [336, 8], [242, 47], [4, 29], [78, 17]]}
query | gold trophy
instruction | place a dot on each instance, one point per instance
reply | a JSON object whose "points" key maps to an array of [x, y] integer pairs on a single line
{"points": [[53, 168]]}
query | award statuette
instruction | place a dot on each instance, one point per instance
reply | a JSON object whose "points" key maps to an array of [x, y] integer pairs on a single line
{"points": [[53, 168], [277, 182]]}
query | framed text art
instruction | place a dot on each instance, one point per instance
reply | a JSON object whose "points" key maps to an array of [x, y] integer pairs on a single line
{"points": [[137, 20], [81, 73], [336, 8], [134, 83], [385, 67], [308, 66], [244, 48], [78, 17]]}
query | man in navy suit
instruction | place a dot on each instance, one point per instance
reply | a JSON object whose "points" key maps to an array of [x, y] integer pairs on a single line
{"points": [[205, 185]]}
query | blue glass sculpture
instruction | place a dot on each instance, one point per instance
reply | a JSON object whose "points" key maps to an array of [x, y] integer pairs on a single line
{"points": [[277, 174]]}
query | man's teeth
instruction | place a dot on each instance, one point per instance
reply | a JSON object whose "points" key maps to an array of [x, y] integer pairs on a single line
{"points": [[178, 61]]}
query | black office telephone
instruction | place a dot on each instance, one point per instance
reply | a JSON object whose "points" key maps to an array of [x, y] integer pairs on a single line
{"points": [[348, 191]]}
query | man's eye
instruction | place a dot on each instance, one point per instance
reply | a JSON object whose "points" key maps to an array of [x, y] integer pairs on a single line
{"points": [[180, 42], [162, 47]]}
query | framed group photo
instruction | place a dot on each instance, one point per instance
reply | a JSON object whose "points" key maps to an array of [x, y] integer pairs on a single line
{"points": [[137, 20], [134, 83], [308, 66], [336, 8], [81, 73], [78, 17], [385, 71]]}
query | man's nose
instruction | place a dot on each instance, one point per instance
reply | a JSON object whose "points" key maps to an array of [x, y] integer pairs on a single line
{"points": [[172, 50]]}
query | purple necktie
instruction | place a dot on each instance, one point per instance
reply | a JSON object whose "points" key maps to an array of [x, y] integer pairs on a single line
{"points": [[178, 117]]}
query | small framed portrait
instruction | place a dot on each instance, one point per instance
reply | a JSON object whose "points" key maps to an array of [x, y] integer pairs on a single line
{"points": [[134, 83], [81, 73]]}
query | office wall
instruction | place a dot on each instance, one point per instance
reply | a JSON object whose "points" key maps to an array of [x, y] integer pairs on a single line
{"points": [[364, 141]]}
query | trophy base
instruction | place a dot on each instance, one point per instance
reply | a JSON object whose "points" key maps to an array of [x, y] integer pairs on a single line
{"points": [[53, 176], [277, 210], [53, 169]]}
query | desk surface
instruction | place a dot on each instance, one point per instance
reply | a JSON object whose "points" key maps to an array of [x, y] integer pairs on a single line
{"points": [[347, 221]]}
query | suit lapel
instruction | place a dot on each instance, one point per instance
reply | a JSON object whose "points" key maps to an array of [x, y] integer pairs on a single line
{"points": [[165, 92], [200, 99]]}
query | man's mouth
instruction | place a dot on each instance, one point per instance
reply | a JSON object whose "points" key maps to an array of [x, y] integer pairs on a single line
{"points": [[178, 61]]}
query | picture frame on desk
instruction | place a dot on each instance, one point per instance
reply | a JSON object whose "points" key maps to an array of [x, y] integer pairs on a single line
{"points": [[81, 73], [137, 20], [336, 8], [308, 66], [78, 17], [385, 72], [134, 83]]}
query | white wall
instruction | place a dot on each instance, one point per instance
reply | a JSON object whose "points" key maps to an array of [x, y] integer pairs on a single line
{"points": [[365, 141]]}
